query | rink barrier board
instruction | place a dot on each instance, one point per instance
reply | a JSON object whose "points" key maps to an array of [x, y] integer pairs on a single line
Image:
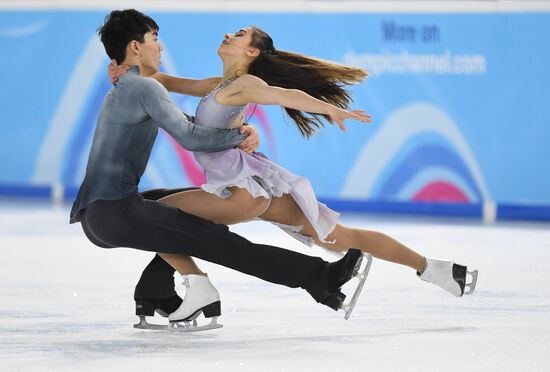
{"points": [[26, 191], [58, 194], [518, 212], [410, 208]]}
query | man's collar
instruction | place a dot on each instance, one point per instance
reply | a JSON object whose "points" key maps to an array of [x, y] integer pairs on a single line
{"points": [[134, 70]]}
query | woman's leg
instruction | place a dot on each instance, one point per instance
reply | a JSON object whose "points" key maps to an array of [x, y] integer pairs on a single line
{"points": [[285, 210], [239, 207], [184, 265], [200, 293]]}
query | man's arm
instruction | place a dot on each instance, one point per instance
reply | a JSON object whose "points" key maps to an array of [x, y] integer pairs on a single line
{"points": [[191, 87], [157, 104]]}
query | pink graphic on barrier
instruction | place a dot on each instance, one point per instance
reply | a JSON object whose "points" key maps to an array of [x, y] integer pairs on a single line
{"points": [[441, 191], [192, 170]]}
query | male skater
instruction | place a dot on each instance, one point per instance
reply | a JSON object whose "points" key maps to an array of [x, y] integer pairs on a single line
{"points": [[114, 214]]}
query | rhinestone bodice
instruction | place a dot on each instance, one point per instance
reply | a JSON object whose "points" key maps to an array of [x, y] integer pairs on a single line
{"points": [[211, 113]]}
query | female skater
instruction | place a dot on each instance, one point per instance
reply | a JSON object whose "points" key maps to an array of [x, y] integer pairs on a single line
{"points": [[242, 186]]}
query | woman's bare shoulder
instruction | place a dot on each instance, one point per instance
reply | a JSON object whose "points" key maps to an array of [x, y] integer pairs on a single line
{"points": [[249, 79]]}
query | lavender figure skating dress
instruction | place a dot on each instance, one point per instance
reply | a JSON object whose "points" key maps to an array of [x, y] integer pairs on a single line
{"points": [[260, 176]]}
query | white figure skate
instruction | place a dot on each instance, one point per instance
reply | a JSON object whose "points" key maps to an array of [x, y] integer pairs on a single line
{"points": [[200, 298], [449, 276]]}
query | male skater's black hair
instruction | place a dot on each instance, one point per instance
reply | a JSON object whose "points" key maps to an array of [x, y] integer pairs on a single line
{"points": [[121, 27]]}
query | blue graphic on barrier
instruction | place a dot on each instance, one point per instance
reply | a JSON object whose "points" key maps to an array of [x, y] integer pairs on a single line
{"points": [[453, 122]]}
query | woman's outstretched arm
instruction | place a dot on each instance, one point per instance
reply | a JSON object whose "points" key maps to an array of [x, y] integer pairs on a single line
{"points": [[190, 87], [251, 89]]}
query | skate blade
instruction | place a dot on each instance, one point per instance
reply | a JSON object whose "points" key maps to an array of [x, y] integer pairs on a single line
{"points": [[192, 326], [143, 324], [183, 326], [472, 285], [357, 267], [362, 276]]}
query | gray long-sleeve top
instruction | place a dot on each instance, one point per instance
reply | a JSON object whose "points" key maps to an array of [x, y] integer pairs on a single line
{"points": [[126, 129]]}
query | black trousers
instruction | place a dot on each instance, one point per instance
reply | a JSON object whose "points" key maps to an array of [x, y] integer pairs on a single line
{"points": [[139, 223], [157, 280]]}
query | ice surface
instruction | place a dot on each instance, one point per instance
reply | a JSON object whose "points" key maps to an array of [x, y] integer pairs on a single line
{"points": [[67, 305]]}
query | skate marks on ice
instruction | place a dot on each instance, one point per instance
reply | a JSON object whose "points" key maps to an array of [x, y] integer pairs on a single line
{"points": [[115, 348], [504, 326], [260, 337], [500, 302]]}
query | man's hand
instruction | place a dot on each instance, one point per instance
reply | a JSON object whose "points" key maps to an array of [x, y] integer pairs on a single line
{"points": [[252, 141], [115, 71]]}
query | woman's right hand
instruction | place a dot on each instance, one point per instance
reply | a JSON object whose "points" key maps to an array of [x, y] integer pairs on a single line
{"points": [[339, 115], [115, 71]]}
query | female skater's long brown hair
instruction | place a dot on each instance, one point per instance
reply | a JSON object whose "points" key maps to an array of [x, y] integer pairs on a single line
{"points": [[321, 79]]}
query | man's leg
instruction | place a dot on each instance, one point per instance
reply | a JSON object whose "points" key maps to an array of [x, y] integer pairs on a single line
{"points": [[155, 289], [152, 226]]}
